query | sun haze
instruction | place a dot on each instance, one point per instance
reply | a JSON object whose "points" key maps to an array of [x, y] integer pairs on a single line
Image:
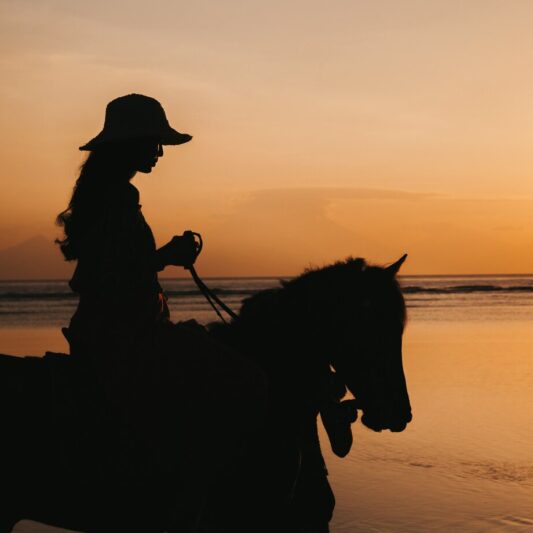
{"points": [[320, 130]]}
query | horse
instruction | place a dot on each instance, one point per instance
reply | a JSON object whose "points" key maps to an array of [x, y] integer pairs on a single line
{"points": [[291, 355]]}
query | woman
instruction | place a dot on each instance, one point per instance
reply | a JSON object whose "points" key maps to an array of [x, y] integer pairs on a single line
{"points": [[122, 315], [145, 373], [121, 304], [116, 276]]}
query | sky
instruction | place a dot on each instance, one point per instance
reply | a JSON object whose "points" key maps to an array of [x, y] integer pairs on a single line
{"points": [[321, 129]]}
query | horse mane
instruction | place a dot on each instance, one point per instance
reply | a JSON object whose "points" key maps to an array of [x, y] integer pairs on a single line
{"points": [[317, 274], [368, 281]]}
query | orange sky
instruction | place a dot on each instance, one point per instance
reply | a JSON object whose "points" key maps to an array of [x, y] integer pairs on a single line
{"points": [[369, 128]]}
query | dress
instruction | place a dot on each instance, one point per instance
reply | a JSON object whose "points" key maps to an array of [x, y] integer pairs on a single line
{"points": [[120, 300], [122, 311], [155, 384], [121, 303]]}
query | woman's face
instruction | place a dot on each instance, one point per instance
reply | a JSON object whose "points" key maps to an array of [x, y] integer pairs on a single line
{"points": [[144, 155], [139, 155]]}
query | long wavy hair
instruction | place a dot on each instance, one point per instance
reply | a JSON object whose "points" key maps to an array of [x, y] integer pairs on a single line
{"points": [[104, 169]]}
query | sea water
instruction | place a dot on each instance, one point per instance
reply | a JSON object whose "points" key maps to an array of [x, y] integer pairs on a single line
{"points": [[465, 463]]}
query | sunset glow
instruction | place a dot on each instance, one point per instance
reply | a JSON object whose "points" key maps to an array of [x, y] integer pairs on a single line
{"points": [[320, 131]]}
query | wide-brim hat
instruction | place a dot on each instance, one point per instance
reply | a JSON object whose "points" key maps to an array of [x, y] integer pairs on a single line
{"points": [[133, 117]]}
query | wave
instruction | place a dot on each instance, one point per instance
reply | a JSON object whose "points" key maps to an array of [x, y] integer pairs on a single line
{"points": [[34, 295], [223, 292], [467, 289], [37, 296], [242, 292]]}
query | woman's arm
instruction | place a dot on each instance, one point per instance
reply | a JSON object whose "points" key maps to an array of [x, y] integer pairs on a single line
{"points": [[179, 251]]}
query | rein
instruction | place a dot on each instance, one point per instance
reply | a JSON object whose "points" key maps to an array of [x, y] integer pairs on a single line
{"points": [[209, 295]]}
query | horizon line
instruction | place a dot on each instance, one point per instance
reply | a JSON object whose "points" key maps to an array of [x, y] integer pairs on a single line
{"points": [[178, 278]]}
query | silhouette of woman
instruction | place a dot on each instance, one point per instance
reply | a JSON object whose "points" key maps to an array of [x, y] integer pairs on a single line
{"points": [[120, 300], [122, 309], [150, 384], [116, 275]]}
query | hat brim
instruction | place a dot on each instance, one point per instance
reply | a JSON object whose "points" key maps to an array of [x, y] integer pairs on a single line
{"points": [[168, 137]]}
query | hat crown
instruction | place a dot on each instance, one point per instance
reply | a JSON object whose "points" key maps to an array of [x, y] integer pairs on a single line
{"points": [[135, 115]]}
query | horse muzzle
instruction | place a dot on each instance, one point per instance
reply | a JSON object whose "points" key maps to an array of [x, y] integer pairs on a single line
{"points": [[378, 421]]}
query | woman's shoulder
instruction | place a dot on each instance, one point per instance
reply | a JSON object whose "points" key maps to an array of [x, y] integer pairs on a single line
{"points": [[117, 213], [120, 203]]}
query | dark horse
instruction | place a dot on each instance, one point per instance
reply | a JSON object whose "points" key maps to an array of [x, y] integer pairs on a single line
{"points": [[329, 329]]}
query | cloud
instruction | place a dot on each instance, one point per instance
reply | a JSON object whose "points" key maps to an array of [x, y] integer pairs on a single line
{"points": [[282, 231]]}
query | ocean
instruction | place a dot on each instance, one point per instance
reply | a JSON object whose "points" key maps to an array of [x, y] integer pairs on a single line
{"points": [[465, 463]]}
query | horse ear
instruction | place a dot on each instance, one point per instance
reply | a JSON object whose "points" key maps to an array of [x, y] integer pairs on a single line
{"points": [[395, 267]]}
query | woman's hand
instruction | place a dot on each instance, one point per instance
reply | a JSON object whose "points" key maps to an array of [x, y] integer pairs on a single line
{"points": [[179, 251]]}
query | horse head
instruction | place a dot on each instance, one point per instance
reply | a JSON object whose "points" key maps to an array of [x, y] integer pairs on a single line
{"points": [[368, 356], [354, 317], [349, 316]]}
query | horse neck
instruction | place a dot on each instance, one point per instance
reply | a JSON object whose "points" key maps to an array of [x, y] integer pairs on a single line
{"points": [[266, 340], [294, 380], [293, 366]]}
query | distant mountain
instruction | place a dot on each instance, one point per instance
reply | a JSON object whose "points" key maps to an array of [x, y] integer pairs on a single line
{"points": [[36, 258]]}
